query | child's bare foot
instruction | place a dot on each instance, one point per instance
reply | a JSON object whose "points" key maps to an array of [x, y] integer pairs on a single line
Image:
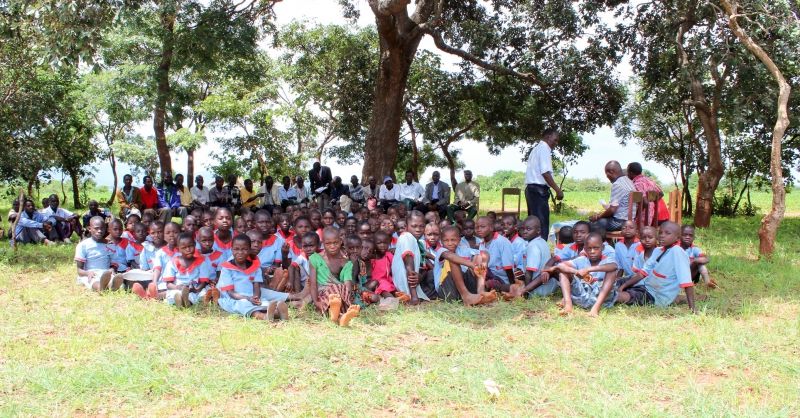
{"points": [[488, 297], [105, 279], [259, 315], [514, 291], [185, 297], [138, 290], [560, 303], [207, 297], [566, 310], [116, 282], [348, 316], [283, 311], [334, 307], [594, 313], [471, 299], [712, 284], [152, 291], [215, 295], [179, 300], [271, 310], [367, 297], [402, 297]]}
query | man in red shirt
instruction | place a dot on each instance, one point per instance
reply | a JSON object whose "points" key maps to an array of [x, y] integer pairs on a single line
{"points": [[149, 195], [644, 185]]}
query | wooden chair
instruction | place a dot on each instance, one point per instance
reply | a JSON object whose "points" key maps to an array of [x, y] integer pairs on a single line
{"points": [[642, 216], [675, 207], [510, 191], [634, 198]]}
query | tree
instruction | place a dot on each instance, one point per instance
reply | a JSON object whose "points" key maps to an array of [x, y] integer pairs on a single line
{"points": [[138, 152]]}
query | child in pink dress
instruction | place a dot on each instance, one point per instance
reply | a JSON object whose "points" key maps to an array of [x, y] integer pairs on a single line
{"points": [[382, 266]]}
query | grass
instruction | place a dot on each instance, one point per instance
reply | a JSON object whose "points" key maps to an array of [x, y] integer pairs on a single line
{"points": [[65, 351]]}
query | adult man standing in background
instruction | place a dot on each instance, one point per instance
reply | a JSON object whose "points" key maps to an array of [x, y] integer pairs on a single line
{"points": [[539, 179]]}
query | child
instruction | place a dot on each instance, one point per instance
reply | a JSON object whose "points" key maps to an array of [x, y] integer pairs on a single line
{"points": [[453, 284], [537, 254], [299, 270], [643, 251], [190, 225], [271, 257], [329, 218], [362, 284], [408, 259], [205, 242], [625, 249], [564, 237], [350, 226], [240, 285], [579, 233], [382, 267], [518, 244], [588, 281], [240, 226], [293, 246], [136, 246], [665, 273], [163, 255], [152, 245], [697, 258], [366, 275], [187, 274], [331, 280], [249, 219], [223, 235], [285, 228], [501, 256], [433, 249], [130, 221], [208, 218], [118, 259], [364, 230], [469, 240], [93, 258]]}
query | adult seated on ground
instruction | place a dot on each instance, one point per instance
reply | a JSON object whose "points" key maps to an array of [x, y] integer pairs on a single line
{"points": [[644, 184], [149, 197], [32, 227], [128, 197], [218, 196], [169, 202], [303, 192], [184, 193], [338, 190], [63, 221], [95, 210], [269, 193], [389, 194], [437, 195], [468, 195], [199, 193], [250, 199], [234, 194], [410, 192], [616, 213], [356, 191]]}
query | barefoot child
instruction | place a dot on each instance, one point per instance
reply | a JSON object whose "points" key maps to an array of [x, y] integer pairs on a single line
{"points": [[697, 258], [518, 244], [644, 251], [455, 284], [501, 255], [408, 259], [331, 280], [130, 221], [187, 274], [118, 259], [163, 255], [136, 246], [93, 259], [469, 240], [537, 253], [190, 225], [588, 281], [205, 245], [665, 273], [240, 285], [155, 241], [299, 270], [382, 266]]}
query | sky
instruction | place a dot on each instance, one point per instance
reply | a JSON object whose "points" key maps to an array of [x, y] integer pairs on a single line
{"points": [[603, 143]]}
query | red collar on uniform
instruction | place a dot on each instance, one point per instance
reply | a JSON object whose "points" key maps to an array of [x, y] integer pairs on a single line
{"points": [[269, 241], [182, 267], [213, 255], [221, 244], [136, 246], [514, 237], [169, 252], [250, 270]]}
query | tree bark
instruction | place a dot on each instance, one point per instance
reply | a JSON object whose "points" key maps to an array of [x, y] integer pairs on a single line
{"points": [[76, 191], [451, 163], [190, 167], [772, 220], [113, 161], [164, 91]]}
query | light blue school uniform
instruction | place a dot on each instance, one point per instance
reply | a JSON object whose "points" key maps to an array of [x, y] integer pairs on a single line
{"points": [[406, 245], [270, 254], [637, 267], [625, 255], [194, 274], [438, 263], [537, 253], [95, 256], [566, 252], [518, 248], [501, 256], [147, 256], [302, 265], [161, 258], [133, 252], [693, 252], [241, 281], [119, 259], [465, 248], [667, 272], [585, 294]]}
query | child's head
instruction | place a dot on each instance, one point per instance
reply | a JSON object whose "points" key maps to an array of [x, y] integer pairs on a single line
{"points": [[315, 217], [255, 242], [223, 218], [132, 220], [580, 231], [593, 246], [648, 237], [460, 216], [629, 230], [352, 245], [432, 217], [401, 225], [264, 223], [432, 234], [283, 222], [206, 237], [484, 228], [198, 215], [310, 243], [250, 219], [509, 223], [687, 236], [189, 224], [531, 228], [451, 237], [97, 228], [240, 248], [139, 232], [331, 241], [147, 219], [208, 218], [565, 235], [444, 223], [350, 226], [341, 218], [240, 226], [392, 214], [328, 218], [492, 215], [415, 223], [115, 229], [186, 244], [157, 232], [469, 228], [367, 250], [374, 224], [669, 233], [387, 225], [382, 241], [364, 230], [171, 232], [301, 226]]}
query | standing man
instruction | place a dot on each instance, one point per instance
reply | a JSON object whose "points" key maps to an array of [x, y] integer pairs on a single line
{"points": [[320, 177], [539, 179], [468, 193]]}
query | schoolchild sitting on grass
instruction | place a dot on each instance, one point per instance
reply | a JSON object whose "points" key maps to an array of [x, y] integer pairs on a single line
{"points": [[187, 274], [455, 284], [331, 280], [698, 260], [93, 258], [625, 249], [537, 253]]}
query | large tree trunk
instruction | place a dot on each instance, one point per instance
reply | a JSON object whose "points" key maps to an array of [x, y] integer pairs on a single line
{"points": [[772, 220], [76, 191], [190, 167], [113, 161], [164, 92]]}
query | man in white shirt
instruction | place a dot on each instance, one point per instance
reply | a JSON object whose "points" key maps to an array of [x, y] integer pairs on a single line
{"points": [[389, 193], [287, 193], [199, 193], [270, 191], [64, 222], [539, 179], [411, 192], [303, 193]]}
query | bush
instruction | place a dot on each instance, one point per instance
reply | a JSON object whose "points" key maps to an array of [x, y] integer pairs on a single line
{"points": [[723, 205]]}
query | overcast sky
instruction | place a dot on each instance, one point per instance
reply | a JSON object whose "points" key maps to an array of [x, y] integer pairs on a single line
{"points": [[603, 144]]}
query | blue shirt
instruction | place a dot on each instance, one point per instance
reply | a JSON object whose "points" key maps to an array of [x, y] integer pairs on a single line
{"points": [[95, 255], [147, 256], [625, 255], [119, 259], [501, 256], [583, 262], [168, 197], [233, 278], [694, 252], [270, 253], [537, 252], [666, 273], [198, 271], [35, 220], [518, 248]]}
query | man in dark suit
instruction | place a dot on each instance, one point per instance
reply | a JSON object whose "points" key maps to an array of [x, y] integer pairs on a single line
{"points": [[320, 177], [437, 195]]}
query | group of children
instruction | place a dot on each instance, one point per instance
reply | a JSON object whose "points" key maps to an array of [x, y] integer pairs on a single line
{"points": [[261, 263]]}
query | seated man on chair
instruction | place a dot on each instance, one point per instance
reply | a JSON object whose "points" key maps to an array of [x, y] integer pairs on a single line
{"points": [[616, 213]]}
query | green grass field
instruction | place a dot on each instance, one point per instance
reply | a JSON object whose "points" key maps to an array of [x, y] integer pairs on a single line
{"points": [[65, 351]]}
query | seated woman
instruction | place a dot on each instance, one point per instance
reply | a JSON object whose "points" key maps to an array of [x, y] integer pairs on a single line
{"points": [[331, 280]]}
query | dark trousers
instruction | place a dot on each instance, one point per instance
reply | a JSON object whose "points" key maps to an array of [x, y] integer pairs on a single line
{"points": [[537, 196]]}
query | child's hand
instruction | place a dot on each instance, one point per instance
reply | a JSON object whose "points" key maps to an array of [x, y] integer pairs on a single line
{"points": [[413, 278], [255, 301], [285, 247], [90, 274], [319, 305]]}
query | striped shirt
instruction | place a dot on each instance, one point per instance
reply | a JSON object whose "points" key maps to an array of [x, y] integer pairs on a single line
{"points": [[620, 196]]}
